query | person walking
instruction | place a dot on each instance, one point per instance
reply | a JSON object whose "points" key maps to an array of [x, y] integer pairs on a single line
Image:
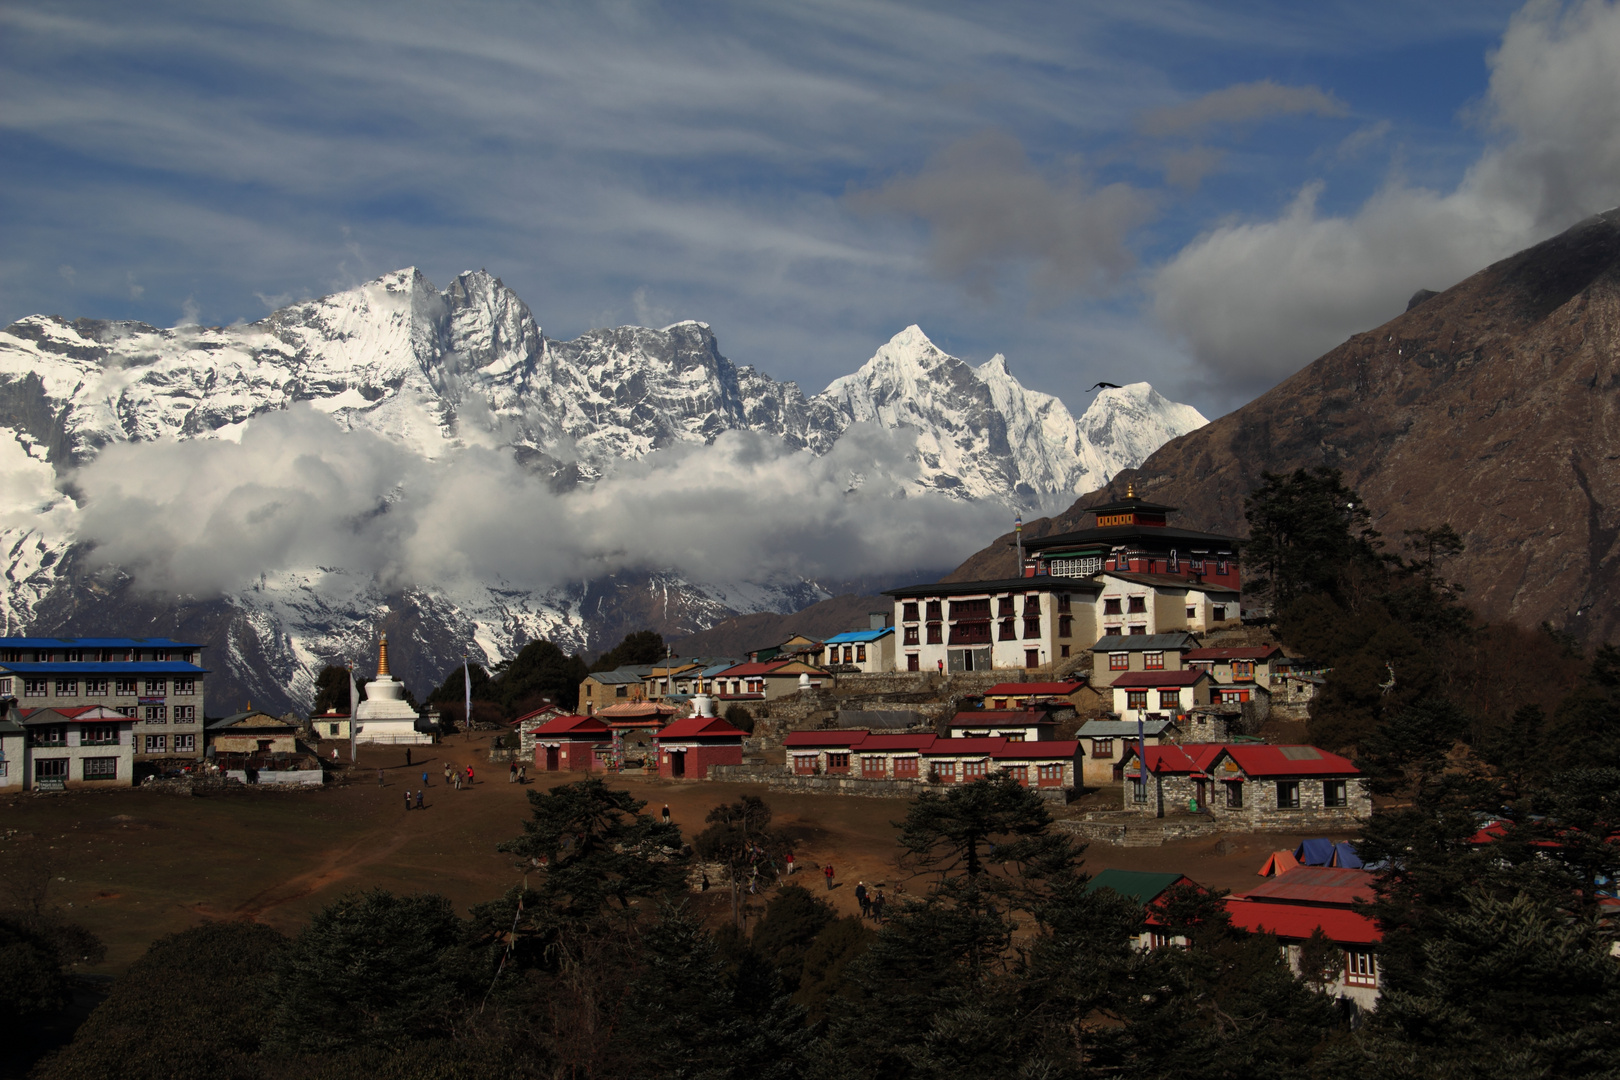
{"points": [[419, 799], [523, 774], [827, 871], [469, 776], [877, 907], [860, 898], [511, 773], [379, 778], [407, 798], [424, 778], [407, 757], [665, 814], [447, 774], [456, 779], [791, 865]]}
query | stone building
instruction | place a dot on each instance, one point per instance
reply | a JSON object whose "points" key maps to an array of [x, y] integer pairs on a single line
{"points": [[85, 746], [1248, 785]]}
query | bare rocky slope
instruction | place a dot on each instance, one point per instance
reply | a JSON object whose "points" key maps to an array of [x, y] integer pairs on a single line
{"points": [[1491, 406]]}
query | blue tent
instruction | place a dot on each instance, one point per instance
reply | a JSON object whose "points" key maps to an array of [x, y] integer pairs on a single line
{"points": [[1315, 852], [1344, 854]]}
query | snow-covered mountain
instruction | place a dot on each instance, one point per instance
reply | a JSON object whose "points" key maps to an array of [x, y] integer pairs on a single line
{"points": [[438, 372]]}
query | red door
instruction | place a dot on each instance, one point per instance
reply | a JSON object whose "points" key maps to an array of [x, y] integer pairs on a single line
{"points": [[551, 759]]}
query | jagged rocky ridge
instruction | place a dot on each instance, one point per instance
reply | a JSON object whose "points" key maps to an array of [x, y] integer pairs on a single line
{"points": [[434, 370]]}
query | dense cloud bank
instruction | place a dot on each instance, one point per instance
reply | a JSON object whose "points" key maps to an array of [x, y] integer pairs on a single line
{"points": [[207, 517]]}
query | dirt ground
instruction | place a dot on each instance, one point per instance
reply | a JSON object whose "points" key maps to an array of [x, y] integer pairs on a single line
{"points": [[134, 865]]}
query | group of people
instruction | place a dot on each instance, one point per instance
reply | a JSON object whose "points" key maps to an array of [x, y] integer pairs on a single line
{"points": [[453, 777], [517, 774], [871, 903]]}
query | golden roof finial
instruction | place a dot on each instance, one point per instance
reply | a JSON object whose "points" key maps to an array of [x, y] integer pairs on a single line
{"points": [[1130, 489], [382, 657]]}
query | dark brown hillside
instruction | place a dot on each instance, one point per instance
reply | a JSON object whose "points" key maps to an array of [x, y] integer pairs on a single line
{"points": [[1492, 406]]}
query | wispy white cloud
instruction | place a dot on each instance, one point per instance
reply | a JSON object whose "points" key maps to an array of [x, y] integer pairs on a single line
{"points": [[1240, 103]]}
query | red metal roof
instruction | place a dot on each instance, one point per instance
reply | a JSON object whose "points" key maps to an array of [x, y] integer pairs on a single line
{"points": [[1173, 758], [965, 747], [888, 744], [570, 724], [1029, 689], [1316, 885], [1134, 679], [1296, 921], [79, 713], [991, 717], [1038, 748], [1258, 652], [693, 727], [806, 740], [1264, 760]]}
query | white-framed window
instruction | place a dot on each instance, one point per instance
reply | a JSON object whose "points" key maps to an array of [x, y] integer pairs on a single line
{"points": [[1082, 567], [95, 688], [101, 768], [124, 687], [1335, 793], [5, 686], [184, 713], [156, 744], [185, 686], [154, 714], [156, 687], [1360, 967], [130, 711], [5, 768], [331, 729], [1288, 794], [36, 688], [185, 744], [50, 768]]}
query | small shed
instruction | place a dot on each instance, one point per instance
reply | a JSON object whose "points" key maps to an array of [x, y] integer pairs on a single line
{"points": [[689, 746], [572, 743], [1017, 724], [253, 732]]}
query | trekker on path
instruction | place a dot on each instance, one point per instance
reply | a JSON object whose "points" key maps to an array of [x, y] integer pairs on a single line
{"points": [[877, 907], [511, 774], [791, 865], [828, 872], [407, 798], [665, 814], [379, 778], [407, 757], [860, 898], [419, 800], [523, 774], [424, 778], [447, 774], [469, 776]]}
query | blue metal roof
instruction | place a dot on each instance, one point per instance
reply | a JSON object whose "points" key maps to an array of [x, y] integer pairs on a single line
{"points": [[851, 637], [134, 667], [95, 643]]}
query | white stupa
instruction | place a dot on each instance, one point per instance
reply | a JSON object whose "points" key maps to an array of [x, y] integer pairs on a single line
{"points": [[385, 716]]}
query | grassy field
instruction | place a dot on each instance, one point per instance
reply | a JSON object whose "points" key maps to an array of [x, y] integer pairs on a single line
{"points": [[133, 865]]}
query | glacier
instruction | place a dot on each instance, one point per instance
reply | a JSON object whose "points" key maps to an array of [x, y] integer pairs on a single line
{"points": [[438, 372]]}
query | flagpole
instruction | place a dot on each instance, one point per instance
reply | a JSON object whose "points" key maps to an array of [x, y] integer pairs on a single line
{"points": [[354, 719], [466, 685]]}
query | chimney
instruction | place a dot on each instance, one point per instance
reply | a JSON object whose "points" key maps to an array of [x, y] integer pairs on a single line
{"points": [[878, 620]]}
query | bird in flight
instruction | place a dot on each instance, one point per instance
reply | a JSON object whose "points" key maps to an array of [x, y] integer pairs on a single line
{"points": [[1105, 386]]}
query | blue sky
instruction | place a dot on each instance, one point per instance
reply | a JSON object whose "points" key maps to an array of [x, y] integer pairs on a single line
{"points": [[1203, 195]]}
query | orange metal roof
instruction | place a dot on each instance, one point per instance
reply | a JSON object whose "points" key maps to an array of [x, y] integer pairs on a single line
{"points": [[1296, 921], [1332, 885]]}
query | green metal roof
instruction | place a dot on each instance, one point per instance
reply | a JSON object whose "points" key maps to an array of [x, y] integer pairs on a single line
{"points": [[1138, 885]]}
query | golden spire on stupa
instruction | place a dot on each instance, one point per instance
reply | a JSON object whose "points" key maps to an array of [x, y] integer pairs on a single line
{"points": [[1130, 489], [382, 657]]}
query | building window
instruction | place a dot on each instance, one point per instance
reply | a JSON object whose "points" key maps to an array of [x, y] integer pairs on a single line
{"points": [[804, 764], [908, 613], [1139, 789], [1137, 631], [1062, 602], [1234, 794], [872, 765], [1032, 658], [1111, 605], [156, 687], [1335, 793], [936, 611], [124, 687], [621, 691], [1220, 566], [1192, 613], [131, 711], [1169, 699], [972, 770], [1136, 699], [98, 735], [1085, 566], [156, 744], [860, 654], [1218, 613], [1008, 630], [849, 654], [1004, 607], [945, 770], [1138, 605], [588, 689], [1063, 651], [50, 769], [185, 744], [54, 735], [154, 714], [1243, 670], [332, 729], [1157, 939], [185, 713], [1360, 968], [36, 688], [1032, 627], [101, 768], [1153, 661], [5, 687], [1065, 626], [1288, 794], [838, 762], [1102, 749], [913, 661], [912, 637], [936, 633], [1119, 661], [185, 686]]}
